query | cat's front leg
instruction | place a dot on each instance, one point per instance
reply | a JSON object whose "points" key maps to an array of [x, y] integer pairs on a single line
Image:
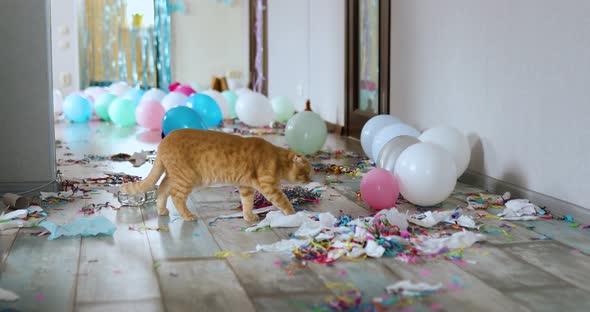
{"points": [[276, 196], [247, 197]]}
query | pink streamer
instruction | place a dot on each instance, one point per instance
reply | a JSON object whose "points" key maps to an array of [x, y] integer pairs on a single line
{"points": [[259, 48]]}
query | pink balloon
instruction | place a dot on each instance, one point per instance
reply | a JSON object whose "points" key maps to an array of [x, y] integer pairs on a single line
{"points": [[149, 114], [186, 90], [380, 189], [173, 86]]}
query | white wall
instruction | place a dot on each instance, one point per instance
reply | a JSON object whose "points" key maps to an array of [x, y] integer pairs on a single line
{"points": [[208, 40], [513, 74], [26, 112], [306, 54], [64, 46]]}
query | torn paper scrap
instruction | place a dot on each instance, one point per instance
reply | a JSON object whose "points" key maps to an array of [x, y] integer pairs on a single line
{"points": [[394, 217], [138, 159], [285, 245], [517, 208], [311, 228], [278, 219], [373, 249], [21, 218], [429, 218], [458, 240], [410, 289], [85, 227], [60, 195], [7, 295], [314, 186], [21, 213], [461, 220]]}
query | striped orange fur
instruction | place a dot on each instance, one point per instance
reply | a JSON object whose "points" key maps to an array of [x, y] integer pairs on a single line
{"points": [[190, 158]]}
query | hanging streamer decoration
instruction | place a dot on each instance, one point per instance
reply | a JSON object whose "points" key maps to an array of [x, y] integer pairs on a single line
{"points": [[259, 48], [162, 42]]}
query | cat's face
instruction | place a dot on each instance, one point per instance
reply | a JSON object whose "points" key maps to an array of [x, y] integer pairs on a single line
{"points": [[300, 170]]}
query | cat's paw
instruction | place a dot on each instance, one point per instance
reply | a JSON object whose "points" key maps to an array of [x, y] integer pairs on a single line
{"points": [[189, 217], [125, 188], [163, 212], [251, 217]]}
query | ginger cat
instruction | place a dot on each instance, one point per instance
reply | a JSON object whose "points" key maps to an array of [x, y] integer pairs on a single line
{"points": [[199, 158]]}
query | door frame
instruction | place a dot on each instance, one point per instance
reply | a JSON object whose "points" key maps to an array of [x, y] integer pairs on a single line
{"points": [[354, 119]]}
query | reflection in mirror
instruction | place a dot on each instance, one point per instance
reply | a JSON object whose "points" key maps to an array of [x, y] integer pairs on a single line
{"points": [[369, 56], [152, 43]]}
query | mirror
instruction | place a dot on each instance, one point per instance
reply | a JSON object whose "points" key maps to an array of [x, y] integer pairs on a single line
{"points": [[153, 43], [368, 56]]}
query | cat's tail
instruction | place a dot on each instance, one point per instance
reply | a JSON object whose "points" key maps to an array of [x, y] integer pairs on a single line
{"points": [[148, 183]]}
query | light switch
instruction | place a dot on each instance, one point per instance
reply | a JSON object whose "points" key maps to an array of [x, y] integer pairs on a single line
{"points": [[64, 30], [65, 78], [64, 44], [300, 89]]}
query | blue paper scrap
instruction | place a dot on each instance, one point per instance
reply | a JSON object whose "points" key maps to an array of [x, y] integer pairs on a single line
{"points": [[85, 227]]}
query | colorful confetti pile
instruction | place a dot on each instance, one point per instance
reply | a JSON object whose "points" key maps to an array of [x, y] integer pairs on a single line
{"points": [[351, 170], [297, 195]]}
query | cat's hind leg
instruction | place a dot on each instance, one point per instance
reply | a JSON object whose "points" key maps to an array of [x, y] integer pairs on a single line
{"points": [[179, 192], [163, 193], [247, 197], [276, 196]]}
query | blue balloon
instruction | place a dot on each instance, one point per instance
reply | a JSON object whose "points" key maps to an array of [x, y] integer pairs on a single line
{"points": [[207, 108], [134, 95], [77, 108], [182, 117]]}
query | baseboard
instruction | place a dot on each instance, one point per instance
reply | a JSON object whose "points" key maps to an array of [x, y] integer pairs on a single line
{"points": [[334, 128], [557, 207], [18, 187]]}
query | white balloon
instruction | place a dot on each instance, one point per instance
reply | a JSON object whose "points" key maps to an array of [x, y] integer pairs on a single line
{"points": [[254, 109], [221, 101], [452, 140], [426, 173], [241, 91], [153, 94], [389, 132], [119, 88], [371, 128], [174, 99], [58, 100]]}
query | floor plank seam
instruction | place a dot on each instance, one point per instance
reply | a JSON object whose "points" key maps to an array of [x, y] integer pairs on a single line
{"points": [[162, 298], [76, 276], [191, 203]]}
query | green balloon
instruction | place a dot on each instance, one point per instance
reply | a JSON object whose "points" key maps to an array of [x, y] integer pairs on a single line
{"points": [[283, 108], [122, 112], [306, 132], [231, 97], [102, 104]]}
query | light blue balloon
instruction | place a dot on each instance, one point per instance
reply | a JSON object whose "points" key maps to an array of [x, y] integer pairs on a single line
{"points": [[134, 95], [306, 132], [389, 132], [77, 108], [182, 117], [207, 109], [232, 98]]}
